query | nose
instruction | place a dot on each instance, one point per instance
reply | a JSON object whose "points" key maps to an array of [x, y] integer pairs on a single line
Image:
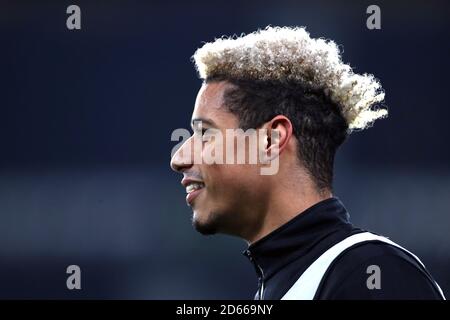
{"points": [[182, 158]]}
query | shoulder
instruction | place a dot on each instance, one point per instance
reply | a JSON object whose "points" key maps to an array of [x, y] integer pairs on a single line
{"points": [[376, 270]]}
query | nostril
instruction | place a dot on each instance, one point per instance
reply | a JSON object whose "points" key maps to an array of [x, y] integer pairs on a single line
{"points": [[181, 157], [178, 165], [174, 166]]}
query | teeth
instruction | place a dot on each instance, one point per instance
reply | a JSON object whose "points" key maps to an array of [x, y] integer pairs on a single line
{"points": [[194, 186]]}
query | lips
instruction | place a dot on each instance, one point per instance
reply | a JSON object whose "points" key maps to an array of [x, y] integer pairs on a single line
{"points": [[192, 195], [193, 189]]}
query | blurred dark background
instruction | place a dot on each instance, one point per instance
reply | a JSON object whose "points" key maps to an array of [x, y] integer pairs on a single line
{"points": [[85, 124]]}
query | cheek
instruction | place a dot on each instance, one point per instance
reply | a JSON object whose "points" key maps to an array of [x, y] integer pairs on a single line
{"points": [[227, 180], [231, 179]]}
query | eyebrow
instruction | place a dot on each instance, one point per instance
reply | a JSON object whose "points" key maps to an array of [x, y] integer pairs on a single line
{"points": [[204, 121]]}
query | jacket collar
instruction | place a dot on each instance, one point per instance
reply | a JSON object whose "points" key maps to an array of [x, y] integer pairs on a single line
{"points": [[297, 236]]}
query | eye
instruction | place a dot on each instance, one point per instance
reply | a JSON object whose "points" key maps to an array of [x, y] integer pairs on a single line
{"points": [[206, 135], [200, 132]]}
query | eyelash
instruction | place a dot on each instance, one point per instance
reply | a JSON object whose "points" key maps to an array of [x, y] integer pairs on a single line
{"points": [[202, 132]]}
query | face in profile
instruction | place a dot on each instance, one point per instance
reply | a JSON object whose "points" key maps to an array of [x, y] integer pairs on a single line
{"points": [[225, 198]]}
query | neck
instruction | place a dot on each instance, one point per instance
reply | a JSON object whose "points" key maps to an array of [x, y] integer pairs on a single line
{"points": [[284, 204]]}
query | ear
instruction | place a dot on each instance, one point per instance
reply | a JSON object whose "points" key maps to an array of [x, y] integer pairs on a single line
{"points": [[279, 133]]}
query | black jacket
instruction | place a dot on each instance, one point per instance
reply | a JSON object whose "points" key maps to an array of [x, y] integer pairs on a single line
{"points": [[281, 257]]}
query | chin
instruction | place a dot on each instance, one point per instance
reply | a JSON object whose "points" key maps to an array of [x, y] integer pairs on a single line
{"points": [[205, 228], [207, 223]]}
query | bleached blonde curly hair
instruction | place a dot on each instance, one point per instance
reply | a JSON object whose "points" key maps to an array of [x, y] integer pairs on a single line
{"points": [[290, 54]]}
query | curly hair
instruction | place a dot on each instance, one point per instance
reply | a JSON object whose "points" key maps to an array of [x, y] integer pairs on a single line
{"points": [[283, 53], [282, 70]]}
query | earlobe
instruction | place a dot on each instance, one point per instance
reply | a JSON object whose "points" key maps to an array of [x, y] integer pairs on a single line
{"points": [[282, 127], [276, 136], [269, 147], [273, 149]]}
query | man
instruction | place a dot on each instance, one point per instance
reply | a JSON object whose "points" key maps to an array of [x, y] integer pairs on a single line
{"points": [[296, 91]]}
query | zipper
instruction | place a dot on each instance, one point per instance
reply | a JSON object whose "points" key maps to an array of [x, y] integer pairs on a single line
{"points": [[261, 284], [260, 273]]}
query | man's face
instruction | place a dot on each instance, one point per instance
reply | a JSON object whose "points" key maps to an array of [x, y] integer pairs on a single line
{"points": [[229, 195]]}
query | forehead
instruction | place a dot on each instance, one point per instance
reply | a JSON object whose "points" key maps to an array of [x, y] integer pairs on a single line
{"points": [[210, 104]]}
